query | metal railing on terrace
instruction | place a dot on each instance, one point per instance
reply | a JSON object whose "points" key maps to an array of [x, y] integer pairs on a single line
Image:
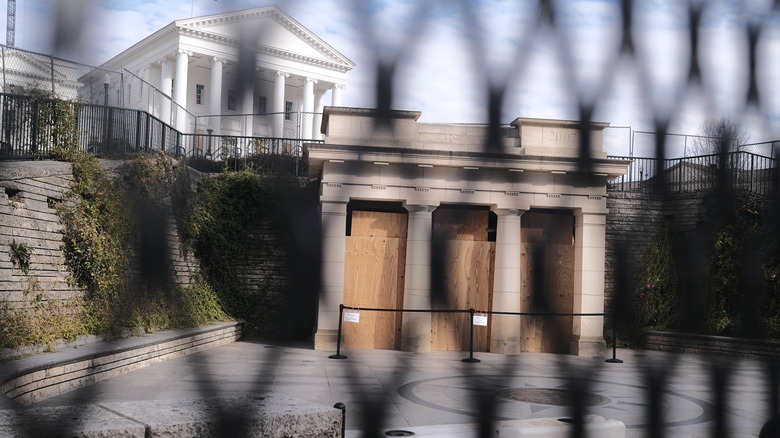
{"points": [[29, 129], [622, 141], [740, 170]]}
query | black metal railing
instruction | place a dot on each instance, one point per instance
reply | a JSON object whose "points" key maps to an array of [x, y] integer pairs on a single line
{"points": [[742, 170], [29, 128]]}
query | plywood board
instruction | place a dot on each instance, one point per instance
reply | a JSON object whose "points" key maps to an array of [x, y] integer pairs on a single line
{"points": [[547, 239], [374, 278], [460, 224], [378, 224], [468, 284]]}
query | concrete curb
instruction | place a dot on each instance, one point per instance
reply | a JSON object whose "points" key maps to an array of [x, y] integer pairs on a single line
{"points": [[26, 381]]}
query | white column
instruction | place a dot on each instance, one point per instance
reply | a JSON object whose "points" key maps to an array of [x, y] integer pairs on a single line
{"points": [[278, 104], [334, 229], [505, 329], [248, 107], [180, 90], [145, 91], [416, 327], [319, 105], [166, 83], [336, 97], [308, 108], [589, 248], [215, 93]]}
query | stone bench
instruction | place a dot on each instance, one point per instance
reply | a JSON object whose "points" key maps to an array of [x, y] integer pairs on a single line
{"points": [[32, 379], [245, 416]]}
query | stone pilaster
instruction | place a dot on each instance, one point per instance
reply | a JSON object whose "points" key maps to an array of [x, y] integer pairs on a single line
{"points": [[505, 329], [589, 247], [334, 226], [416, 327]]}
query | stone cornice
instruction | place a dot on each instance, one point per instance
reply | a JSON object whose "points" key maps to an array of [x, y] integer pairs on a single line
{"points": [[611, 168]]}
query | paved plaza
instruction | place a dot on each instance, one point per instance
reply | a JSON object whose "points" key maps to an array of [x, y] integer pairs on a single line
{"points": [[437, 388]]}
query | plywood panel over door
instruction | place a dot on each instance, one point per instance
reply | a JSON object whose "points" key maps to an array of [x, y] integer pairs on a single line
{"points": [[374, 277], [468, 273], [549, 236]]}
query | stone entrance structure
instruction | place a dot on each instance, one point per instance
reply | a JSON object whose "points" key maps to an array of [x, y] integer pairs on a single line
{"points": [[388, 190]]}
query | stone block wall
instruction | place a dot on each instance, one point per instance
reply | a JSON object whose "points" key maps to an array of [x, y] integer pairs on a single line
{"points": [[29, 192], [635, 219], [712, 345]]}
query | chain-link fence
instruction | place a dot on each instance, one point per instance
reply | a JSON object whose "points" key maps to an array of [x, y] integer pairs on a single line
{"points": [[662, 159]]}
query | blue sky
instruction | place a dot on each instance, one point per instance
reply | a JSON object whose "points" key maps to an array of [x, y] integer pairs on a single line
{"points": [[446, 78]]}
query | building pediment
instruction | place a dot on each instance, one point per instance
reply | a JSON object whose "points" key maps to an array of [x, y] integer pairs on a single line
{"points": [[278, 35]]}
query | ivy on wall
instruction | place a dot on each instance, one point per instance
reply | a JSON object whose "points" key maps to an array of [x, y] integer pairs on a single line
{"points": [[116, 248], [235, 217]]}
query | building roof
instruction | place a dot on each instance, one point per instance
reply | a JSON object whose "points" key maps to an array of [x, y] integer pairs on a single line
{"points": [[270, 25]]}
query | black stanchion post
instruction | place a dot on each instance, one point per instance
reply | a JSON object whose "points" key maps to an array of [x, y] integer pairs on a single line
{"points": [[338, 354], [343, 409], [471, 358], [614, 342]]}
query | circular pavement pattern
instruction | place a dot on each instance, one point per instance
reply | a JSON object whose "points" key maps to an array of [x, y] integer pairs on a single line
{"points": [[521, 397], [547, 396]]}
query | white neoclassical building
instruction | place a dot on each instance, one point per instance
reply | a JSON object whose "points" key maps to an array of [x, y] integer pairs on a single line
{"points": [[517, 229], [24, 71], [187, 74]]}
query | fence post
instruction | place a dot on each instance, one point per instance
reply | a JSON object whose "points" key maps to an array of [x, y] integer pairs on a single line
{"points": [[338, 354], [53, 90], [5, 83], [471, 358]]}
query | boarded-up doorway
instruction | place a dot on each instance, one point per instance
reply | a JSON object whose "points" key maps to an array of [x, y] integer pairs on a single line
{"points": [[467, 274], [374, 277], [547, 270]]}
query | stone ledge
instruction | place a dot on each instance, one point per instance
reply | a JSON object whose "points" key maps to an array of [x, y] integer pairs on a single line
{"points": [[246, 416], [705, 344], [36, 378]]}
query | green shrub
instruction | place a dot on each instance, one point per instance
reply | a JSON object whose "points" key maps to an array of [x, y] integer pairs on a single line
{"points": [[657, 289]]}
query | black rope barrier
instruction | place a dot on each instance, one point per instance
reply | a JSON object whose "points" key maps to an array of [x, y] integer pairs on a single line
{"points": [[472, 312]]}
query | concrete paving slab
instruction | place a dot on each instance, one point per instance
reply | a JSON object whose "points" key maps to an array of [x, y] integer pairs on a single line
{"points": [[88, 421], [425, 389]]}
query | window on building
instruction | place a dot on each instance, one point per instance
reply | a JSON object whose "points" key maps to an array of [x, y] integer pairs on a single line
{"points": [[231, 103], [199, 94], [288, 110], [261, 101]]}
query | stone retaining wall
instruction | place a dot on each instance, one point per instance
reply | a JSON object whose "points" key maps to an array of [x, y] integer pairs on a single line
{"points": [[717, 345], [29, 192], [34, 379]]}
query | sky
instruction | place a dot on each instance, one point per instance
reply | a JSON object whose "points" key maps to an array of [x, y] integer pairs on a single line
{"points": [[450, 52]]}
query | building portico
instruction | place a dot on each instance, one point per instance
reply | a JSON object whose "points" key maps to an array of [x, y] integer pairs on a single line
{"points": [[499, 217], [195, 62]]}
